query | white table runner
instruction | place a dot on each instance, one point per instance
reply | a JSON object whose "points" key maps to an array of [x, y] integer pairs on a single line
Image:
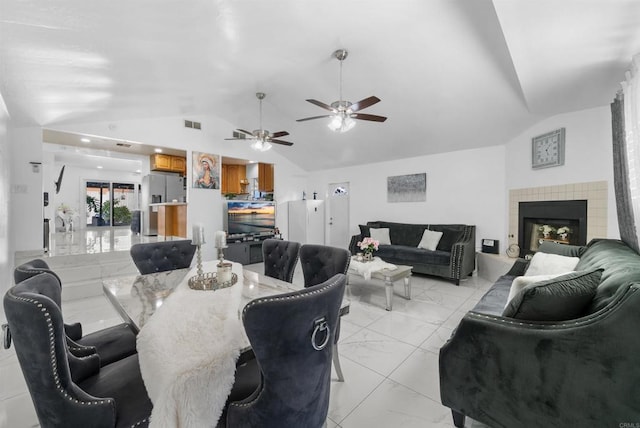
{"points": [[365, 269], [188, 351]]}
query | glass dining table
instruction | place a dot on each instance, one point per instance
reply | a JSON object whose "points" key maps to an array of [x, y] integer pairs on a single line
{"points": [[190, 337], [137, 297]]}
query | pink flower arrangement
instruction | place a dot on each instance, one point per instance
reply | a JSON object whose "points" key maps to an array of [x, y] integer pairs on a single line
{"points": [[368, 245]]}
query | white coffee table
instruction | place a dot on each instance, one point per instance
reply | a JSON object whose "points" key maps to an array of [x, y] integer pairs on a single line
{"points": [[389, 276]]}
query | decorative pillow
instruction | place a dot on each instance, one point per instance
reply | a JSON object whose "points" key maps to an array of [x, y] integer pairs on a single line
{"points": [[364, 231], [430, 240], [563, 298], [449, 237], [548, 264], [520, 282], [551, 247], [381, 235]]}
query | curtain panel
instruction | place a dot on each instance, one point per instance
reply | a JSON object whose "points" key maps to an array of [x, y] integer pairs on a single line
{"points": [[625, 112]]}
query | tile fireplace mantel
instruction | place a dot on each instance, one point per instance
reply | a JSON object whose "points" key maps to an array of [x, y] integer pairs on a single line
{"points": [[595, 193]]}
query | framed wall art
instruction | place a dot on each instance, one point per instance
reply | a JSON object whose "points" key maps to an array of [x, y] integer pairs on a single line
{"points": [[407, 188], [206, 171]]}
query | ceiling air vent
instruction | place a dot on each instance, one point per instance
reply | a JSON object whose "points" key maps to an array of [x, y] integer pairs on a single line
{"points": [[192, 124], [125, 145]]}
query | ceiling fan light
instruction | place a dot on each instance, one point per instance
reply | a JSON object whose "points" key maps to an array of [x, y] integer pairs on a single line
{"points": [[341, 123], [261, 146]]}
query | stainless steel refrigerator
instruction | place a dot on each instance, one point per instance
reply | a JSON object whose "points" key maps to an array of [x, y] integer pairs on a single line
{"points": [[158, 188]]}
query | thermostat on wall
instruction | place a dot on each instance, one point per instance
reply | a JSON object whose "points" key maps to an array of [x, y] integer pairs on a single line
{"points": [[491, 246]]}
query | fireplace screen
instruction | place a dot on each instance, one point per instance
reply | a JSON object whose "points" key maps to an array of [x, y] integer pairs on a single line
{"points": [[560, 231], [564, 222]]}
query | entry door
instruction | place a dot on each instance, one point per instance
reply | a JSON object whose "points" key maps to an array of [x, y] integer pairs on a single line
{"points": [[339, 215]]}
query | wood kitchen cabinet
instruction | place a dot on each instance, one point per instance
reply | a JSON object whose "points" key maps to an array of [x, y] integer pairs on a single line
{"points": [[232, 178], [265, 177], [168, 163]]}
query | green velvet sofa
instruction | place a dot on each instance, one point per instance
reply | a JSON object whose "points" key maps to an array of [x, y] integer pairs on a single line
{"points": [[581, 372], [453, 259]]}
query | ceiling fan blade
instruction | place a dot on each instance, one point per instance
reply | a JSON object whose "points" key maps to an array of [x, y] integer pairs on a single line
{"points": [[245, 132], [371, 117], [279, 134], [314, 117], [284, 143], [364, 103], [236, 138], [323, 105]]}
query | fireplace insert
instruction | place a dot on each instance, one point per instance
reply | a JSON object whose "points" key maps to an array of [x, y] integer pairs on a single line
{"points": [[564, 222]]}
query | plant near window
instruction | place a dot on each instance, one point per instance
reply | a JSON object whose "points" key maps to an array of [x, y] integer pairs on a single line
{"points": [[121, 214]]}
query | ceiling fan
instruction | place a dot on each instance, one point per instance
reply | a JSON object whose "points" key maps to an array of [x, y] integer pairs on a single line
{"points": [[343, 112], [262, 137]]}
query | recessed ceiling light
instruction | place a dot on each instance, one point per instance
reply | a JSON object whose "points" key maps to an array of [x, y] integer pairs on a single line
{"points": [[158, 150], [85, 140], [138, 171], [99, 166]]}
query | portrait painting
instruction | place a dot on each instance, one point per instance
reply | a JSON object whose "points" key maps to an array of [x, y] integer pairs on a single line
{"points": [[206, 171]]}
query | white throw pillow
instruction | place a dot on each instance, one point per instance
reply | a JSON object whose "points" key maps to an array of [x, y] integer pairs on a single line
{"points": [[549, 264], [520, 282], [430, 239], [381, 235]]}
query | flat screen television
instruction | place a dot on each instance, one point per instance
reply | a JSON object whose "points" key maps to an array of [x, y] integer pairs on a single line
{"points": [[250, 217]]}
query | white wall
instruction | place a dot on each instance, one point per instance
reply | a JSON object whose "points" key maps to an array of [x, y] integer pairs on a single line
{"points": [[462, 187], [6, 259], [588, 156], [205, 205]]}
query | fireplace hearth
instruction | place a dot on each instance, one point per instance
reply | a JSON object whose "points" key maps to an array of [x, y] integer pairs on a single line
{"points": [[564, 222]]}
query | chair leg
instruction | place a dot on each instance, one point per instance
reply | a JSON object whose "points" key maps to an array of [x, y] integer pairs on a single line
{"points": [[336, 362], [458, 419]]}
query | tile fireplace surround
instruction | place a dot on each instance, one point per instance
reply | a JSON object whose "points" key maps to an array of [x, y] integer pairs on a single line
{"points": [[594, 192]]}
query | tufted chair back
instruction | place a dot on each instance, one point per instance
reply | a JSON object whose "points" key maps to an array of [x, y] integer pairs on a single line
{"points": [[31, 268], [111, 343], [162, 256], [60, 399], [291, 335], [280, 258], [321, 262]]}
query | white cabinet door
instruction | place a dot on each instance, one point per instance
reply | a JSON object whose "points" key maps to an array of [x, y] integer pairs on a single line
{"points": [[306, 222]]}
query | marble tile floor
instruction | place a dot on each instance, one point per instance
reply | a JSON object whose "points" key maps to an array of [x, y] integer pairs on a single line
{"points": [[389, 359]]}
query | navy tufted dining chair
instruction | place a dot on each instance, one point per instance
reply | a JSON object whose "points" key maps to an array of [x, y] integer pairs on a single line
{"points": [[280, 258], [111, 344], [291, 335], [68, 391], [152, 257], [319, 263]]}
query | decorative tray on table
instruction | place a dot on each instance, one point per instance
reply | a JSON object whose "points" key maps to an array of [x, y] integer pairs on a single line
{"points": [[209, 282]]}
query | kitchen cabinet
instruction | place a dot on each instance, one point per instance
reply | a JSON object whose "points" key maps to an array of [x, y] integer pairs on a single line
{"points": [[168, 163], [265, 177], [233, 176], [179, 164]]}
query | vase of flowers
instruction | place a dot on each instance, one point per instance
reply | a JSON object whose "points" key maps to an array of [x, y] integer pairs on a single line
{"points": [[368, 246]]}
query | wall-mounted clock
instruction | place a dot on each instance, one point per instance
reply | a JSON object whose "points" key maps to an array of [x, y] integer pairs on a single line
{"points": [[548, 149]]}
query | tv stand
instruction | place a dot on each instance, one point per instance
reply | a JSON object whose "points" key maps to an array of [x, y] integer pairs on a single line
{"points": [[247, 251]]}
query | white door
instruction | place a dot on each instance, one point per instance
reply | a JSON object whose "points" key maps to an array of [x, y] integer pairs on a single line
{"points": [[338, 221]]}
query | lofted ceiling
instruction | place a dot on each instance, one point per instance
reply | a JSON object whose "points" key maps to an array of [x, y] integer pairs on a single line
{"points": [[451, 74]]}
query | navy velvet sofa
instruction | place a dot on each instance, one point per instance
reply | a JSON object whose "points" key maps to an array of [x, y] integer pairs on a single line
{"points": [[581, 372], [453, 259]]}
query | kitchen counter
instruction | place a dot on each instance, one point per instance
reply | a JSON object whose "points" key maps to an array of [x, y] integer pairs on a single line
{"points": [[172, 218], [167, 203]]}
